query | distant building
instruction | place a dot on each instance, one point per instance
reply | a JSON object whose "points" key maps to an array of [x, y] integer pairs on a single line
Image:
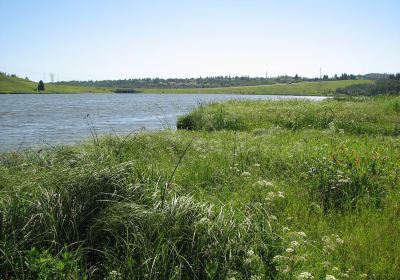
{"points": [[376, 76]]}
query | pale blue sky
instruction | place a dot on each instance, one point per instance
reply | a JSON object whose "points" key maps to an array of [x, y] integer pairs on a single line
{"points": [[98, 39]]}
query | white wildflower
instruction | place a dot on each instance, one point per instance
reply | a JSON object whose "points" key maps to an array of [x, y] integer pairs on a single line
{"points": [[280, 194], [279, 259], [346, 180], [285, 229], [250, 253], [326, 239], [294, 244], [338, 239], [270, 196], [330, 277], [115, 274], [305, 275], [263, 183], [246, 174], [326, 264], [289, 250], [301, 234]]}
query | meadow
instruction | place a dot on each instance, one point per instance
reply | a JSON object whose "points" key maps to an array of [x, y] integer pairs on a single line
{"points": [[303, 88], [17, 85], [289, 189]]}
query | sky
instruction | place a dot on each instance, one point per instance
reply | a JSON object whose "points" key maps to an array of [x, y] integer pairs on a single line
{"points": [[121, 39]]}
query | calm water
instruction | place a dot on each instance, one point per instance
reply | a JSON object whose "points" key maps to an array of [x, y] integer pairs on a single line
{"points": [[39, 120]]}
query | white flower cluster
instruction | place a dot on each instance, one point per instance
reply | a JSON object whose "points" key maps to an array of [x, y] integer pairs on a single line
{"points": [[330, 277], [297, 260], [330, 242], [271, 196], [263, 183], [291, 256], [251, 257], [305, 275], [115, 274]]}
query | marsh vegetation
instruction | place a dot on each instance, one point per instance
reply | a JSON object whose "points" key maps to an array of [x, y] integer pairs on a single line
{"points": [[254, 190]]}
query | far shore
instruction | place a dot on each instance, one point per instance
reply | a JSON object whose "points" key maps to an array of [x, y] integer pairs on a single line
{"points": [[320, 88]]}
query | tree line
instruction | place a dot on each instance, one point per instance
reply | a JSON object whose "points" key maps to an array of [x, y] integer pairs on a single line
{"points": [[206, 82], [390, 85]]}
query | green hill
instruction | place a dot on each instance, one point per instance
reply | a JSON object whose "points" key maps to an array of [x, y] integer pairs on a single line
{"points": [[12, 84], [9, 84]]}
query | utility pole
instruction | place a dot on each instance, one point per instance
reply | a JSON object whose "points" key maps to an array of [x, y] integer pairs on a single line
{"points": [[320, 73]]}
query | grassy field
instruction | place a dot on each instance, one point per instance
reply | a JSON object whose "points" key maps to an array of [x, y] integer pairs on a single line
{"points": [[18, 85], [255, 190], [306, 88]]}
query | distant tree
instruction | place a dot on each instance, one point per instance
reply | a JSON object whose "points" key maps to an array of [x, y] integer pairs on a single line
{"points": [[326, 77], [40, 86], [296, 77]]}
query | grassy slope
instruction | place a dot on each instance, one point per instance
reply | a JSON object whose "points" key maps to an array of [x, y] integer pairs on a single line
{"points": [[308, 88], [293, 187], [18, 85]]}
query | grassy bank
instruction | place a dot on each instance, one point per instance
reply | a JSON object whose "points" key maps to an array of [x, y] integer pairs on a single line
{"points": [[306, 88], [295, 190], [379, 116]]}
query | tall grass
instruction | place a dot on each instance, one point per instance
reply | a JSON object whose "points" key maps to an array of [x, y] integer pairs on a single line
{"points": [[257, 201], [359, 116]]}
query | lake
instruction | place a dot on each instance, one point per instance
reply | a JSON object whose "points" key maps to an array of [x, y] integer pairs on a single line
{"points": [[34, 120]]}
